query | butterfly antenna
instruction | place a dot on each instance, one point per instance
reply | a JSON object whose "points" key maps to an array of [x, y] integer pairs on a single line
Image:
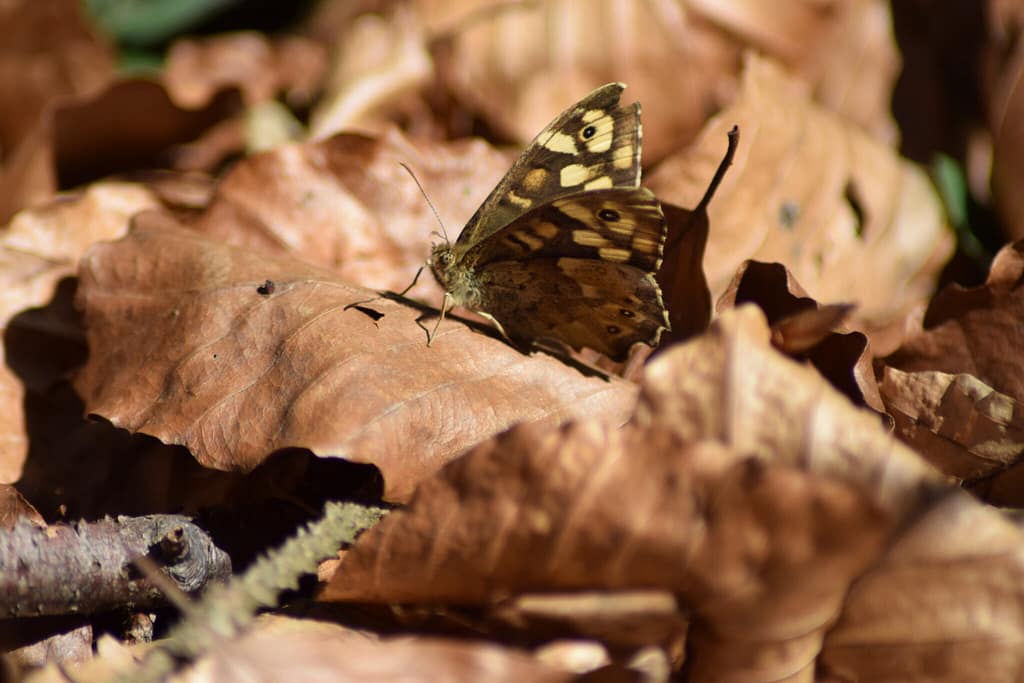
{"points": [[429, 203]]}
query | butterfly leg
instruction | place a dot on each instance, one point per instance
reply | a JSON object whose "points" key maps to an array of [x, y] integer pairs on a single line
{"points": [[405, 291], [444, 309]]}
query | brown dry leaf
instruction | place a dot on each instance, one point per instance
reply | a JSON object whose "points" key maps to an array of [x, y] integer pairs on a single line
{"points": [[196, 69], [281, 649], [519, 64], [943, 605], [624, 620], [277, 648], [844, 49], [346, 203], [79, 140], [381, 63], [841, 356], [961, 425], [975, 331], [49, 51], [49, 54], [14, 507], [189, 343], [744, 484], [39, 248], [681, 276], [40, 642], [844, 214]]}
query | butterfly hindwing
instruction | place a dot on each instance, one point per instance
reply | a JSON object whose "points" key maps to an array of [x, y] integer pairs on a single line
{"points": [[593, 145], [601, 305]]}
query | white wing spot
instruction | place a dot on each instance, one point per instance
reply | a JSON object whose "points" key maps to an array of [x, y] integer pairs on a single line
{"points": [[562, 143], [589, 238], [602, 183], [574, 174], [613, 254]]}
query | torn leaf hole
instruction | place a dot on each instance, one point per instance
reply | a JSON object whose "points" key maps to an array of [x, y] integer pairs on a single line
{"points": [[852, 196]]}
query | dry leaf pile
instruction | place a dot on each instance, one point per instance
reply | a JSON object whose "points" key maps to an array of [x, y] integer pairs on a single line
{"points": [[813, 477]]}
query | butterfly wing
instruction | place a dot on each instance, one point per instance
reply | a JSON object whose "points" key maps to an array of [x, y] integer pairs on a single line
{"points": [[617, 225], [579, 270], [594, 144], [604, 306]]}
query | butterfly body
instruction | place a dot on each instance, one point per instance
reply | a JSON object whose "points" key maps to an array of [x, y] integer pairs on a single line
{"points": [[567, 244]]}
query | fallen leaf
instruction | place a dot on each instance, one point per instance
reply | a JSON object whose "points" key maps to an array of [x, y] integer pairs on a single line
{"points": [[49, 51], [758, 524], [943, 605], [196, 69], [803, 328], [346, 203], [39, 248], [520, 64], [381, 61], [14, 508], [681, 276], [844, 214], [972, 331], [621, 619], [293, 649], [961, 425], [82, 139], [277, 648], [184, 346]]}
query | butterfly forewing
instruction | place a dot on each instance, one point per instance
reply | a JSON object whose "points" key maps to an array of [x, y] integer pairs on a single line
{"points": [[593, 145], [619, 226]]}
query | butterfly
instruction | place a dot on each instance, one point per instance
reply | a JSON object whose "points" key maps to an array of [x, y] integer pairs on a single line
{"points": [[566, 246]]}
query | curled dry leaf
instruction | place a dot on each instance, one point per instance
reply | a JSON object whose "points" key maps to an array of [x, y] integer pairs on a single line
{"points": [[346, 203], [844, 214], [681, 276], [49, 51], [961, 425], [844, 49], [803, 328], [380, 62], [261, 67], [281, 649], [942, 605], [189, 344], [277, 648], [975, 331], [39, 248], [14, 508], [622, 619], [519, 63], [84, 138], [744, 484]]}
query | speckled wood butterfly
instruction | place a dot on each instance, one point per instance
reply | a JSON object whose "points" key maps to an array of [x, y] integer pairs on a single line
{"points": [[567, 245]]}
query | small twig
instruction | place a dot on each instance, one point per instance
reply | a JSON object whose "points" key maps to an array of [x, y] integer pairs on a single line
{"points": [[225, 610], [86, 568], [723, 166]]}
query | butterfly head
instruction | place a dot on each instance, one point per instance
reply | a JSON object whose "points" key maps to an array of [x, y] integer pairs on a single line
{"points": [[440, 261]]}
